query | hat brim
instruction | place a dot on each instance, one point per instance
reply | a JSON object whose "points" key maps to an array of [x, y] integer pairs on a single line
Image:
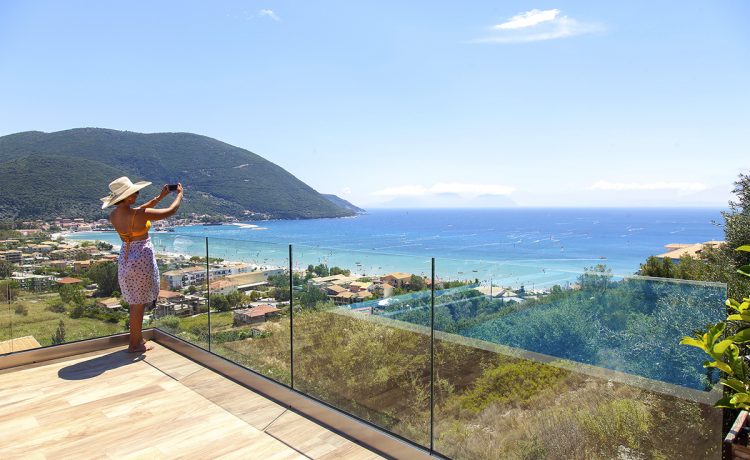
{"points": [[108, 201]]}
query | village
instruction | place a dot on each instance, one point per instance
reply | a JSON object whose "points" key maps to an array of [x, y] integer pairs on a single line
{"points": [[45, 262]]}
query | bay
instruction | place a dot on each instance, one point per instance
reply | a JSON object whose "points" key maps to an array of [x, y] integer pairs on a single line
{"points": [[535, 246]]}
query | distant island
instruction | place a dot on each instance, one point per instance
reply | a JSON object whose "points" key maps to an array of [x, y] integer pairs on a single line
{"points": [[63, 174]]}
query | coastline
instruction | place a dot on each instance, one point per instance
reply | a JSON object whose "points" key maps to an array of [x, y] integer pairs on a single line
{"points": [[537, 248], [358, 262]]}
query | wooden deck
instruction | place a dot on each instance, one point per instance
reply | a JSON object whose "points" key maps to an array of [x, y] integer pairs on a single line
{"points": [[110, 404]]}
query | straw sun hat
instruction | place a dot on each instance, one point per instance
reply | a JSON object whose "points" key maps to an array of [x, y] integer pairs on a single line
{"points": [[120, 189]]}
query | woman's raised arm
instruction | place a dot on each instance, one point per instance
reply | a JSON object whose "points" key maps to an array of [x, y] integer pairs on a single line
{"points": [[154, 201], [159, 214]]}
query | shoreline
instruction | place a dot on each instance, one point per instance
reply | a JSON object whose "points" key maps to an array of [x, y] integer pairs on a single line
{"points": [[359, 262]]}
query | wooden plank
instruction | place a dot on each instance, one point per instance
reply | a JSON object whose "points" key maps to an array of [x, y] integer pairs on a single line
{"points": [[18, 344], [111, 404]]}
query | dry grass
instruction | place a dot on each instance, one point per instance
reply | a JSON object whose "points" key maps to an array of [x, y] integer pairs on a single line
{"points": [[381, 373]]}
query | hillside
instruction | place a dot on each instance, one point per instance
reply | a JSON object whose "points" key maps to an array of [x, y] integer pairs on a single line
{"points": [[64, 173], [342, 203]]}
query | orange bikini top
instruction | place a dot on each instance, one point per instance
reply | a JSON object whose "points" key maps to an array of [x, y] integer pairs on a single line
{"points": [[128, 236]]}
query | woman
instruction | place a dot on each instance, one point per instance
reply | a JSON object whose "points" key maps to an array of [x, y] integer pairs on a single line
{"points": [[137, 272]]}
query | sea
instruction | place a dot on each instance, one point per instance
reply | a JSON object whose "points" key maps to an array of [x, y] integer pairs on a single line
{"points": [[534, 247]]}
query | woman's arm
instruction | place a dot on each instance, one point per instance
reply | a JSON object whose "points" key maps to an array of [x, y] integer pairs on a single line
{"points": [[155, 201], [159, 214]]}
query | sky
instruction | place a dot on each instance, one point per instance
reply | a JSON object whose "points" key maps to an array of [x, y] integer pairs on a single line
{"points": [[410, 104]]}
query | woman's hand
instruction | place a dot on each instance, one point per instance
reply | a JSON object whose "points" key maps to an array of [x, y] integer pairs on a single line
{"points": [[164, 191], [179, 188]]}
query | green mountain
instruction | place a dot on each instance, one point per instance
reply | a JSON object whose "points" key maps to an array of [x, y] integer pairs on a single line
{"points": [[342, 203], [65, 173]]}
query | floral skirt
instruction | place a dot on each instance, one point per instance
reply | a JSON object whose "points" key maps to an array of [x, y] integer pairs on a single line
{"points": [[137, 272]]}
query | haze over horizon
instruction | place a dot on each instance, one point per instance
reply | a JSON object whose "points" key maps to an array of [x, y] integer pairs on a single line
{"points": [[413, 105]]}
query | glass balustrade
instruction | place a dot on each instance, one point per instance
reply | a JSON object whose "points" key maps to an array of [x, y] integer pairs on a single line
{"points": [[182, 306], [588, 368], [49, 308], [348, 351], [472, 359], [249, 294]]}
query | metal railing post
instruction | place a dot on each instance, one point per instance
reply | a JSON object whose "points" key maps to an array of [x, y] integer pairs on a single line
{"points": [[291, 319], [208, 295], [432, 359]]}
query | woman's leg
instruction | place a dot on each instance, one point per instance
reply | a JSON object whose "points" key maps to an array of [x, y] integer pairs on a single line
{"points": [[136, 326]]}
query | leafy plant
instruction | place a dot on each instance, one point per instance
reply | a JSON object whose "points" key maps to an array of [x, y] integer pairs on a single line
{"points": [[727, 354]]}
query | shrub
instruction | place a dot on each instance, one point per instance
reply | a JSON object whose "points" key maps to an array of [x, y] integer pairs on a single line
{"points": [[57, 307], [22, 309], [621, 422], [59, 335], [168, 323], [512, 383], [77, 311]]}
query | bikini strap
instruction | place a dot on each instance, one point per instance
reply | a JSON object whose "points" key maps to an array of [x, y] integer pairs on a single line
{"points": [[130, 235], [132, 221]]}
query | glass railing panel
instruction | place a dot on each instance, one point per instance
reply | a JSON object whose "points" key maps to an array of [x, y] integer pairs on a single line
{"points": [[587, 367], [7, 293], [44, 308], [349, 352], [182, 306], [250, 322]]}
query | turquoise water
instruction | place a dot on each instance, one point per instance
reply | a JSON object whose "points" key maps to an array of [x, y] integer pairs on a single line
{"points": [[538, 247]]}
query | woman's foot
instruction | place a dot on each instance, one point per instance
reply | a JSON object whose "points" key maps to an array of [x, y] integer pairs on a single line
{"points": [[141, 348]]}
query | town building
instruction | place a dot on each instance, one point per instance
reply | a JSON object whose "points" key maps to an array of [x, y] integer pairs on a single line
{"points": [[32, 282], [676, 250], [13, 256], [396, 279], [111, 303], [258, 314]]}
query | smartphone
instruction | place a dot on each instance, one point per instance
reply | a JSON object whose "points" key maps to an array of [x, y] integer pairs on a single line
{"points": [[172, 187]]}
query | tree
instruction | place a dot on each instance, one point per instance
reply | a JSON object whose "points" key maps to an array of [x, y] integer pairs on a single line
{"points": [[736, 234], [596, 278], [59, 336], [339, 271], [219, 302], [310, 296], [103, 246], [105, 276], [416, 283], [6, 269], [72, 293], [659, 268], [235, 299]]}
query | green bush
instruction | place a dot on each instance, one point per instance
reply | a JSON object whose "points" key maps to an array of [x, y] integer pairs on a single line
{"points": [[168, 323], [512, 383], [57, 307], [619, 422]]}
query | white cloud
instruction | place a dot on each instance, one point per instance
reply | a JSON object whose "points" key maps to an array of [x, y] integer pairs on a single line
{"points": [[538, 25], [403, 190], [462, 189], [269, 14], [346, 191], [631, 186], [472, 189], [528, 19]]}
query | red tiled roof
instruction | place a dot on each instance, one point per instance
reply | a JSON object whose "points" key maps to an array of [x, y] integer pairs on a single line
{"points": [[262, 310], [168, 294], [68, 280]]}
